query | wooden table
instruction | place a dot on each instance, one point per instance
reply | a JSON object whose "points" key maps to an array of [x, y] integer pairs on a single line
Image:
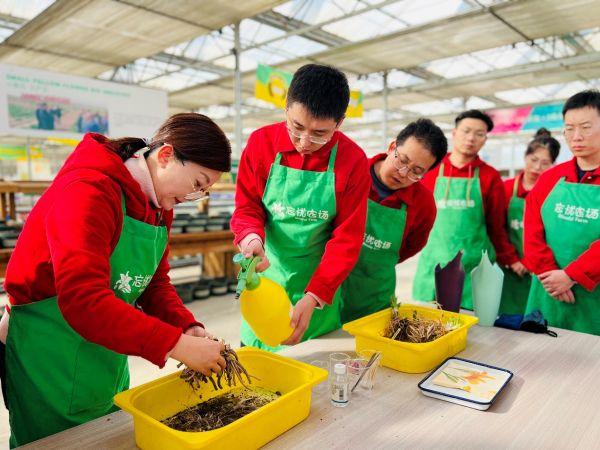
{"points": [[8, 189], [553, 401], [217, 246]]}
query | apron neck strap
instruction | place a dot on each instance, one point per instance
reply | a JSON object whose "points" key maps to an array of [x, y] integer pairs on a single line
{"points": [[516, 185], [330, 165], [123, 206], [332, 158]]}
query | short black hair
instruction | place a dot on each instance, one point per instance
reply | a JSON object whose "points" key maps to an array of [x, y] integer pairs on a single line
{"points": [[427, 133], [583, 99], [323, 90], [475, 114]]}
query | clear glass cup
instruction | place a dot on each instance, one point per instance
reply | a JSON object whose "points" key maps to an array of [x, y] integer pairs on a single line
{"points": [[323, 387], [337, 358], [368, 381]]}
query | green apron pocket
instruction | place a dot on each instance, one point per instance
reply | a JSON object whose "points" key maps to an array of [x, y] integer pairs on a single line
{"points": [[99, 375]]}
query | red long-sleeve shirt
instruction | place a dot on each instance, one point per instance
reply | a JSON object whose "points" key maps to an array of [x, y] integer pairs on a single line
{"points": [[494, 201], [351, 189], [509, 186], [64, 250], [539, 258], [420, 213]]}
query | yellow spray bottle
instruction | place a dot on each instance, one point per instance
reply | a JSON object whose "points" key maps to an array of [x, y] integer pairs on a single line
{"points": [[265, 305]]}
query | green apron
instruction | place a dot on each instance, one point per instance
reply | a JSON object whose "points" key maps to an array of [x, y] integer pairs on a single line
{"points": [[459, 226], [515, 289], [571, 225], [372, 282], [57, 379], [301, 207]]}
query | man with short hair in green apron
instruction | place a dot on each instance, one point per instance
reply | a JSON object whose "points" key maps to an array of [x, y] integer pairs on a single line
{"points": [[301, 202], [469, 196], [400, 215], [562, 226]]}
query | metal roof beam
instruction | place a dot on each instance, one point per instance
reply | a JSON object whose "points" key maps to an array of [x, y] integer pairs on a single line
{"points": [[287, 24], [191, 63], [587, 58]]}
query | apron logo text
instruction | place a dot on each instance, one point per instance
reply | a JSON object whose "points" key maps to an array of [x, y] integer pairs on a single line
{"points": [[372, 242], [140, 282], [302, 214], [455, 204], [516, 224], [576, 213]]}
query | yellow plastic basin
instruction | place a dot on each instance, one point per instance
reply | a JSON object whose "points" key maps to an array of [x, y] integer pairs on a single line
{"points": [[152, 402], [405, 356]]}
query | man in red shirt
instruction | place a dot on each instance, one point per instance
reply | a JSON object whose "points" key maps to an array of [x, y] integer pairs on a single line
{"points": [[400, 215], [301, 201], [469, 197], [562, 225]]}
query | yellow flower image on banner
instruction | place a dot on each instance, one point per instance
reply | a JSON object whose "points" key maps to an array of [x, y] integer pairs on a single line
{"points": [[272, 86], [355, 107]]}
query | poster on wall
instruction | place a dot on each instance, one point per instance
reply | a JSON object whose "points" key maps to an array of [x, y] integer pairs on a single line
{"points": [[38, 103]]}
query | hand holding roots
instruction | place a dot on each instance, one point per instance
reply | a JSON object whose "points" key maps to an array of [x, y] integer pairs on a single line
{"points": [[234, 371]]}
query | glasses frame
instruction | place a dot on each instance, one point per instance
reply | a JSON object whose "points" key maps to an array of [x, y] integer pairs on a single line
{"points": [[407, 170]]}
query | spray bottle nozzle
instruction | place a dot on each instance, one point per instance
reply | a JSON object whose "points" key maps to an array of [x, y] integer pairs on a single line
{"points": [[247, 277]]}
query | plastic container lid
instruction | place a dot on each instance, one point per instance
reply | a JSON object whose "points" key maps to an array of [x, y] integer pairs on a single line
{"points": [[340, 369]]}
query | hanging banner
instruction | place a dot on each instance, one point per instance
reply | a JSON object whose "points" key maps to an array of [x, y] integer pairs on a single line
{"points": [[547, 116], [527, 118], [508, 120], [355, 107], [37, 103], [272, 85]]}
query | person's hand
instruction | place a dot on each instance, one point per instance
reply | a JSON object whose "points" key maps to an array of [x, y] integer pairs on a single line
{"points": [[198, 331], [199, 353], [301, 318], [519, 268], [252, 245], [556, 282], [566, 297]]}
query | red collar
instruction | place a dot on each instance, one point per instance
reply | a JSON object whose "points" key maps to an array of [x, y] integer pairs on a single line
{"points": [[402, 195], [477, 162]]}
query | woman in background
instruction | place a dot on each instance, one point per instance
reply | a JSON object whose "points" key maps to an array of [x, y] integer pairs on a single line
{"points": [[540, 155]]}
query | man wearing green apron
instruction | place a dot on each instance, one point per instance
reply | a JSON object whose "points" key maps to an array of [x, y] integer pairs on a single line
{"points": [[468, 194], [301, 201], [562, 225], [400, 215]]}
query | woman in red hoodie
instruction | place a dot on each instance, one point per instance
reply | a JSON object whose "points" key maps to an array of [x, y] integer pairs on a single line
{"points": [[88, 280]]}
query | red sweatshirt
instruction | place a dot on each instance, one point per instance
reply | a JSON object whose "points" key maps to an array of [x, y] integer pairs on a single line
{"points": [[492, 192], [420, 213], [352, 182], [509, 185], [539, 258], [64, 250]]}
